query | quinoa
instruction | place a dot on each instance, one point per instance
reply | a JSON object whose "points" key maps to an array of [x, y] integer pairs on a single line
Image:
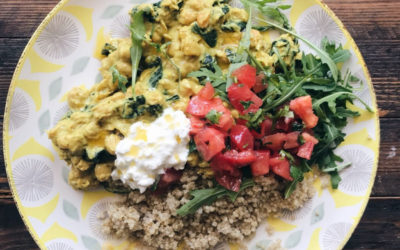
{"points": [[152, 219]]}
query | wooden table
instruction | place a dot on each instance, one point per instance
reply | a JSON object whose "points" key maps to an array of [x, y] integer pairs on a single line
{"points": [[374, 24]]}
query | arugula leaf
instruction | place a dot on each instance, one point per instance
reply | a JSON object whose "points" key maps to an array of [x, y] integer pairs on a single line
{"points": [[241, 55], [120, 79], [335, 179], [203, 197], [338, 54], [216, 77], [325, 58], [137, 35], [213, 116]]}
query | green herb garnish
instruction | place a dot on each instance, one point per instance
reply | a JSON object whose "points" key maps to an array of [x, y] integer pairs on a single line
{"points": [[207, 196], [120, 79], [213, 116]]}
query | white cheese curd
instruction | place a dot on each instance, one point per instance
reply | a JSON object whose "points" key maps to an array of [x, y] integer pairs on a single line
{"points": [[150, 148]]}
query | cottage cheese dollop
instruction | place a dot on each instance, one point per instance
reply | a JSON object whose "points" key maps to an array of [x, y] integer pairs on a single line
{"points": [[150, 148]]}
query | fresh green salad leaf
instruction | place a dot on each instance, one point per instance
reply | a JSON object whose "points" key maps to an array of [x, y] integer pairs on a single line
{"points": [[213, 116], [203, 197], [137, 35], [120, 79]]}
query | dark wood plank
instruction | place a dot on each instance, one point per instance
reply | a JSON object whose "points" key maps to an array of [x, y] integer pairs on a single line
{"points": [[379, 227], [21, 18], [13, 234]]}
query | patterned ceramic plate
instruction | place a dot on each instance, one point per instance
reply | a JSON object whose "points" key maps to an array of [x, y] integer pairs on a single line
{"points": [[64, 52]]}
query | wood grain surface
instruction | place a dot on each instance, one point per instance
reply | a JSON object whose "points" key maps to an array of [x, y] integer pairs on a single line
{"points": [[375, 26]]}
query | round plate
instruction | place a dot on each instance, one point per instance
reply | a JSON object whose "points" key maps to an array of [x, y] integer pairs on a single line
{"points": [[64, 52]]}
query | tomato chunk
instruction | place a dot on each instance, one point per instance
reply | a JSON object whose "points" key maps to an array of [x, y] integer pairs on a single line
{"points": [[275, 141], [241, 138], [281, 167], [246, 75], [240, 159], [170, 177], [225, 121], [292, 140], [302, 106], [261, 165], [243, 99], [305, 150], [198, 106], [266, 126], [207, 92], [284, 123], [310, 138], [196, 125], [225, 173], [260, 84], [209, 142]]}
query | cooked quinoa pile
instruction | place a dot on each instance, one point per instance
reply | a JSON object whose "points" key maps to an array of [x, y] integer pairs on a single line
{"points": [[152, 219]]}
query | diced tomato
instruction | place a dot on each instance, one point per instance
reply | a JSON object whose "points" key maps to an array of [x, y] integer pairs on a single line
{"points": [[226, 120], [261, 165], [219, 163], [307, 137], [305, 150], [198, 106], [246, 75], [241, 138], [292, 140], [196, 125], [170, 176], [275, 141], [241, 121], [225, 173], [266, 126], [281, 167], [302, 106], [284, 123], [207, 92], [240, 159], [240, 94], [230, 182], [260, 84], [209, 142]]}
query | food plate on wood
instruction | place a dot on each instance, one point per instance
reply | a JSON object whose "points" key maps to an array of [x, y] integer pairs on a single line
{"points": [[185, 124]]}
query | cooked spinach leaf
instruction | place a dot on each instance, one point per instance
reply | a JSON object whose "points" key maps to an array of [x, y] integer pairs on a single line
{"points": [[209, 35], [156, 76]]}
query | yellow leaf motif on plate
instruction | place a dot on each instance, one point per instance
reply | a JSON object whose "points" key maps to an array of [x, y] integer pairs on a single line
{"points": [[90, 198], [314, 242], [298, 8], [39, 65], [361, 137], [32, 147], [342, 199], [365, 115], [100, 41], [123, 246], [44, 211], [55, 232], [279, 225], [85, 16], [32, 88]]}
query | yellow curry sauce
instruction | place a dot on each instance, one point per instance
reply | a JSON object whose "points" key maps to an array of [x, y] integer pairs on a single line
{"points": [[99, 117]]}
